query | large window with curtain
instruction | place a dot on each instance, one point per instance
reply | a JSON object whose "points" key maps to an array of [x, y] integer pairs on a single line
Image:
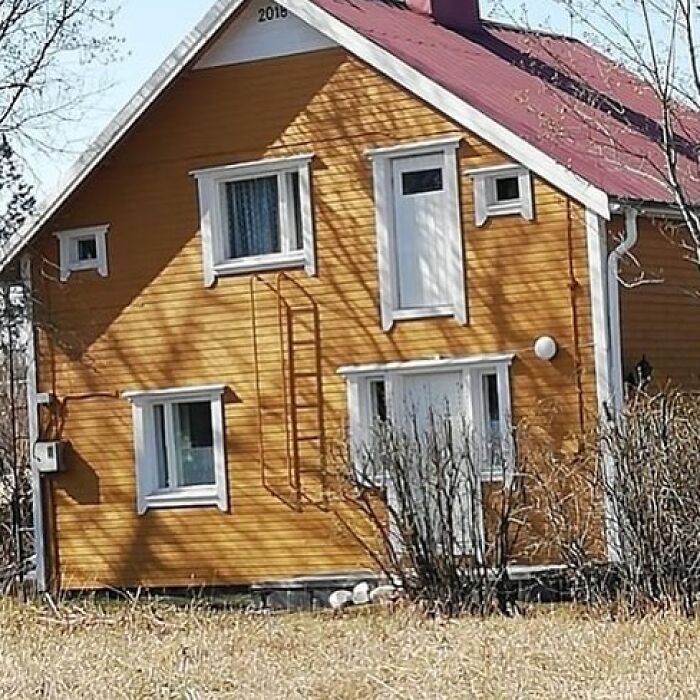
{"points": [[256, 216]]}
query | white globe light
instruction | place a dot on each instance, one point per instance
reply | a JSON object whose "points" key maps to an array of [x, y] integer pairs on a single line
{"points": [[546, 347]]}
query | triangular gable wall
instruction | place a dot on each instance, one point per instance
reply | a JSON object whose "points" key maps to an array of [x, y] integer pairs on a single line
{"points": [[263, 30]]}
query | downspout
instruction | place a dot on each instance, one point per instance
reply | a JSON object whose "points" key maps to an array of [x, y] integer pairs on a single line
{"points": [[33, 431], [615, 399], [617, 396]]}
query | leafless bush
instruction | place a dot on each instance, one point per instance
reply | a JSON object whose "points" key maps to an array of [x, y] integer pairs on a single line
{"points": [[432, 519], [653, 493]]}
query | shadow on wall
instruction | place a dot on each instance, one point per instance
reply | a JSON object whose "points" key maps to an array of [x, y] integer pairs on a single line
{"points": [[152, 323]]}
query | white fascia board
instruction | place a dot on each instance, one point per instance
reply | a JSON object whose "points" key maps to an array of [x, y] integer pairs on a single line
{"points": [[186, 51], [441, 363], [413, 80], [463, 113]]}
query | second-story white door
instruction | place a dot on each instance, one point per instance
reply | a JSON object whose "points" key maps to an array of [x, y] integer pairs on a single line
{"points": [[420, 223]]}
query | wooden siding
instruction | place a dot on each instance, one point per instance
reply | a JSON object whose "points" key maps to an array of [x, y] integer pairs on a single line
{"points": [[152, 323], [661, 320]]}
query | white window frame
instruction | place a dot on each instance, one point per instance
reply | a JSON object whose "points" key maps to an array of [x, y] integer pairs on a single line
{"points": [[473, 369], [382, 160], [148, 494], [486, 204], [68, 250], [214, 227]]}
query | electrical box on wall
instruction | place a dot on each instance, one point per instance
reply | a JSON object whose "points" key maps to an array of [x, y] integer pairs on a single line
{"points": [[48, 456]]}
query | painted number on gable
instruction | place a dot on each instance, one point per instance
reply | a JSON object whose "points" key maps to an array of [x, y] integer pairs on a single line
{"points": [[270, 13]]}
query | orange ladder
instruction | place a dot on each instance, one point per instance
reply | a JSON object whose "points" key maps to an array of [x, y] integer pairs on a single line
{"points": [[301, 380]]}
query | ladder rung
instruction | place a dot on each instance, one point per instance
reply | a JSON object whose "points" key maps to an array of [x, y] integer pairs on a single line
{"points": [[300, 309], [303, 343], [307, 405], [309, 438]]}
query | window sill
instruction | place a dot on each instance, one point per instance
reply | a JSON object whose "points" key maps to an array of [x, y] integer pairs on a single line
{"points": [[260, 264], [183, 498], [510, 209], [423, 312]]}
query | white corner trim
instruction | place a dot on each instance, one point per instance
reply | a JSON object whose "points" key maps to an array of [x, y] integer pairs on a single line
{"points": [[173, 394], [68, 251], [382, 176], [33, 431], [415, 148], [214, 228], [430, 364], [596, 240], [450, 104]]}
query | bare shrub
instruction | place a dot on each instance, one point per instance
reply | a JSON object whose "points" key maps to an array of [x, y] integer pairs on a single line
{"points": [[432, 521], [653, 496]]}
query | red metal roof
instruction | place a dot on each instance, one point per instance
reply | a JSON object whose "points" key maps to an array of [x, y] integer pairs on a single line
{"points": [[556, 93]]}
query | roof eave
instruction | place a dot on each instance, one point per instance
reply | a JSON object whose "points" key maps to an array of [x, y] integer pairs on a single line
{"points": [[381, 59]]}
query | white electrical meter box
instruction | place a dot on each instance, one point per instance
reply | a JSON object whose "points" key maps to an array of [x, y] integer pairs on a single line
{"points": [[48, 456]]}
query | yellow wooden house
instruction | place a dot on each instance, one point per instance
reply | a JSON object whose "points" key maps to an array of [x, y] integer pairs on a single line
{"points": [[311, 210]]}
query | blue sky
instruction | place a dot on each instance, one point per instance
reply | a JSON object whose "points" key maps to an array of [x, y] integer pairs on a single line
{"points": [[151, 29]]}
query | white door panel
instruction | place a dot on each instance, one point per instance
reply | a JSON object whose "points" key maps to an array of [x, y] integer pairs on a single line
{"points": [[420, 209]]}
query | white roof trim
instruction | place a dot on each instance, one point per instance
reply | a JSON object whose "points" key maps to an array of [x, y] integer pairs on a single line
{"points": [[413, 80]]}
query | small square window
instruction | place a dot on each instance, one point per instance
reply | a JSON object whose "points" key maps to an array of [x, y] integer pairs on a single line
{"points": [[180, 458], [256, 216], [502, 191], [83, 249]]}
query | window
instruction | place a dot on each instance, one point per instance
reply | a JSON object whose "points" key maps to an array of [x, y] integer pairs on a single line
{"points": [[180, 456], [473, 394], [256, 216], [419, 233], [475, 390], [502, 190], [83, 249]]}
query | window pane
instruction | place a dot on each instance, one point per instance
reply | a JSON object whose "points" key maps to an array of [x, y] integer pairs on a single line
{"points": [[492, 418], [421, 181], [298, 233], [87, 249], [161, 449], [194, 443], [377, 394], [253, 217], [507, 189]]}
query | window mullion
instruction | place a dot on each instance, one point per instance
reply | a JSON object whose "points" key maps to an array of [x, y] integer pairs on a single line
{"points": [[173, 465], [285, 212]]}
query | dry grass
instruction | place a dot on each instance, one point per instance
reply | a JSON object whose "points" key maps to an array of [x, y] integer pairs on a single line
{"points": [[147, 651]]}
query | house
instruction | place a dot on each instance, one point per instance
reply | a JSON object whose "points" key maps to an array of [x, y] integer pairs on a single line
{"points": [[312, 210]]}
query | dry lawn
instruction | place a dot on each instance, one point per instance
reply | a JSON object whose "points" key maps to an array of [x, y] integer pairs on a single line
{"points": [[155, 651]]}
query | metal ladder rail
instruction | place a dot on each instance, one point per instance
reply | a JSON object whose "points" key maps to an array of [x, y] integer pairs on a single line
{"points": [[256, 280], [294, 405]]}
